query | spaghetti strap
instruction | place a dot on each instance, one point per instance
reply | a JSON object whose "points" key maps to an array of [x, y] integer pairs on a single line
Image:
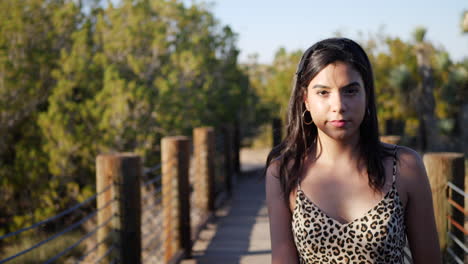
{"points": [[394, 163]]}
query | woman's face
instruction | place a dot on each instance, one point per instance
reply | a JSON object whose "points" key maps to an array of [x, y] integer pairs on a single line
{"points": [[336, 99]]}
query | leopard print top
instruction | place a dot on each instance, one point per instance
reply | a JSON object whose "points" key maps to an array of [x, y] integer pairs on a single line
{"points": [[376, 237]]}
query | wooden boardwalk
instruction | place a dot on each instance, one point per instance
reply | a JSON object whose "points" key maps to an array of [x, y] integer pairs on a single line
{"points": [[239, 231]]}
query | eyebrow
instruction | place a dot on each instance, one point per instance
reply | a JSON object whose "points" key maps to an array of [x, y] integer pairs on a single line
{"points": [[320, 86]]}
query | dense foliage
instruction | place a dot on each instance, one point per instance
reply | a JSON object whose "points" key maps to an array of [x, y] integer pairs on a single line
{"points": [[79, 80]]}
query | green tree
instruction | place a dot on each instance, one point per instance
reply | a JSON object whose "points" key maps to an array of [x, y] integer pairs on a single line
{"points": [[32, 34], [77, 82], [68, 125], [429, 134], [464, 22], [273, 83]]}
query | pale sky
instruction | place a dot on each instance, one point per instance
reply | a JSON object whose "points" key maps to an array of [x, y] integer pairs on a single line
{"points": [[265, 25]]}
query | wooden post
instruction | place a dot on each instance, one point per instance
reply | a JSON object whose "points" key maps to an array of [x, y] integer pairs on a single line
{"points": [[237, 145], [175, 153], [466, 202], [123, 172], [464, 128], [277, 133], [228, 164], [204, 151], [442, 168]]}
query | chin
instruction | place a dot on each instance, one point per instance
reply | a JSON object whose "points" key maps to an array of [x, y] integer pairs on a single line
{"points": [[344, 135]]}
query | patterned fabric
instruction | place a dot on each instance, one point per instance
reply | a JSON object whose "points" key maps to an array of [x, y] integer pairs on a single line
{"points": [[376, 237]]}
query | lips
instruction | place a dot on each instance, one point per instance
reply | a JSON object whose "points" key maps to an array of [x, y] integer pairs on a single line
{"points": [[338, 123]]}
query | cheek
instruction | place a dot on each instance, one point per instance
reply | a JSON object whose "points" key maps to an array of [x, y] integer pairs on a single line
{"points": [[316, 106], [363, 106]]}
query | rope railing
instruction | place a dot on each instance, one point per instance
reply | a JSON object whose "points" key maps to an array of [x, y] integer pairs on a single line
{"points": [[108, 251], [149, 243], [152, 181], [456, 189], [151, 194], [66, 230], [149, 201], [454, 256], [151, 246], [458, 242], [146, 223], [459, 226], [407, 255], [160, 233], [152, 169], [93, 249], [57, 216], [147, 220], [146, 235], [154, 251], [89, 234]]}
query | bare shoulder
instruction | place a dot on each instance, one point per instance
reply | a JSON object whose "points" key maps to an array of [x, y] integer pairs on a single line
{"points": [[273, 184], [272, 180], [410, 162], [411, 168], [273, 169], [283, 249]]}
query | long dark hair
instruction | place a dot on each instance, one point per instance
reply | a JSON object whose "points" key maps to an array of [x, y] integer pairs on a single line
{"points": [[290, 153]]}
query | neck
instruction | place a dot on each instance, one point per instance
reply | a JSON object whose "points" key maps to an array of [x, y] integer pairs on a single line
{"points": [[337, 152]]}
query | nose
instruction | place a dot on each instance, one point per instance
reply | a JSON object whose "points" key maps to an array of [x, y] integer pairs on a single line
{"points": [[338, 103]]}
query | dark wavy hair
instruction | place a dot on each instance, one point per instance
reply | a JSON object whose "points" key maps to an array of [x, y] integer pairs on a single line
{"points": [[300, 139]]}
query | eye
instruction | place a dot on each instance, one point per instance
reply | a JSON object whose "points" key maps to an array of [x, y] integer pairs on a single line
{"points": [[351, 91], [322, 92]]}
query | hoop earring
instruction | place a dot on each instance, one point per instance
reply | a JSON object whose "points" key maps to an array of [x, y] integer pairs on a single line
{"points": [[303, 118]]}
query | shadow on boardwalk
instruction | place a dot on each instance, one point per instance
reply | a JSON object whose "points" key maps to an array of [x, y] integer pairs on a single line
{"points": [[238, 232]]}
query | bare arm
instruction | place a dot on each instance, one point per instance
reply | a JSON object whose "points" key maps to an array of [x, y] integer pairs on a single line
{"points": [[420, 219], [282, 242]]}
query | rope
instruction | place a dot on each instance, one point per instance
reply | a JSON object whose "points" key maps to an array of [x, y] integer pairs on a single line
{"points": [[105, 254], [457, 206], [157, 226], [155, 191], [66, 230], [458, 242], [69, 210], [151, 241], [78, 242], [152, 169], [456, 189], [457, 225], [93, 249], [160, 227], [151, 206], [155, 179], [148, 219], [455, 258], [155, 249]]}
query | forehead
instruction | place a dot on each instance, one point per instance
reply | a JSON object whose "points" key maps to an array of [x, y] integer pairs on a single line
{"points": [[337, 75]]}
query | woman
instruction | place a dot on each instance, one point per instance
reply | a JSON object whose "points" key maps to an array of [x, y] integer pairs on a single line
{"points": [[335, 193]]}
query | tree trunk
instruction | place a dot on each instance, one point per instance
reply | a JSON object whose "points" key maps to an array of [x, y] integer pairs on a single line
{"points": [[426, 107]]}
